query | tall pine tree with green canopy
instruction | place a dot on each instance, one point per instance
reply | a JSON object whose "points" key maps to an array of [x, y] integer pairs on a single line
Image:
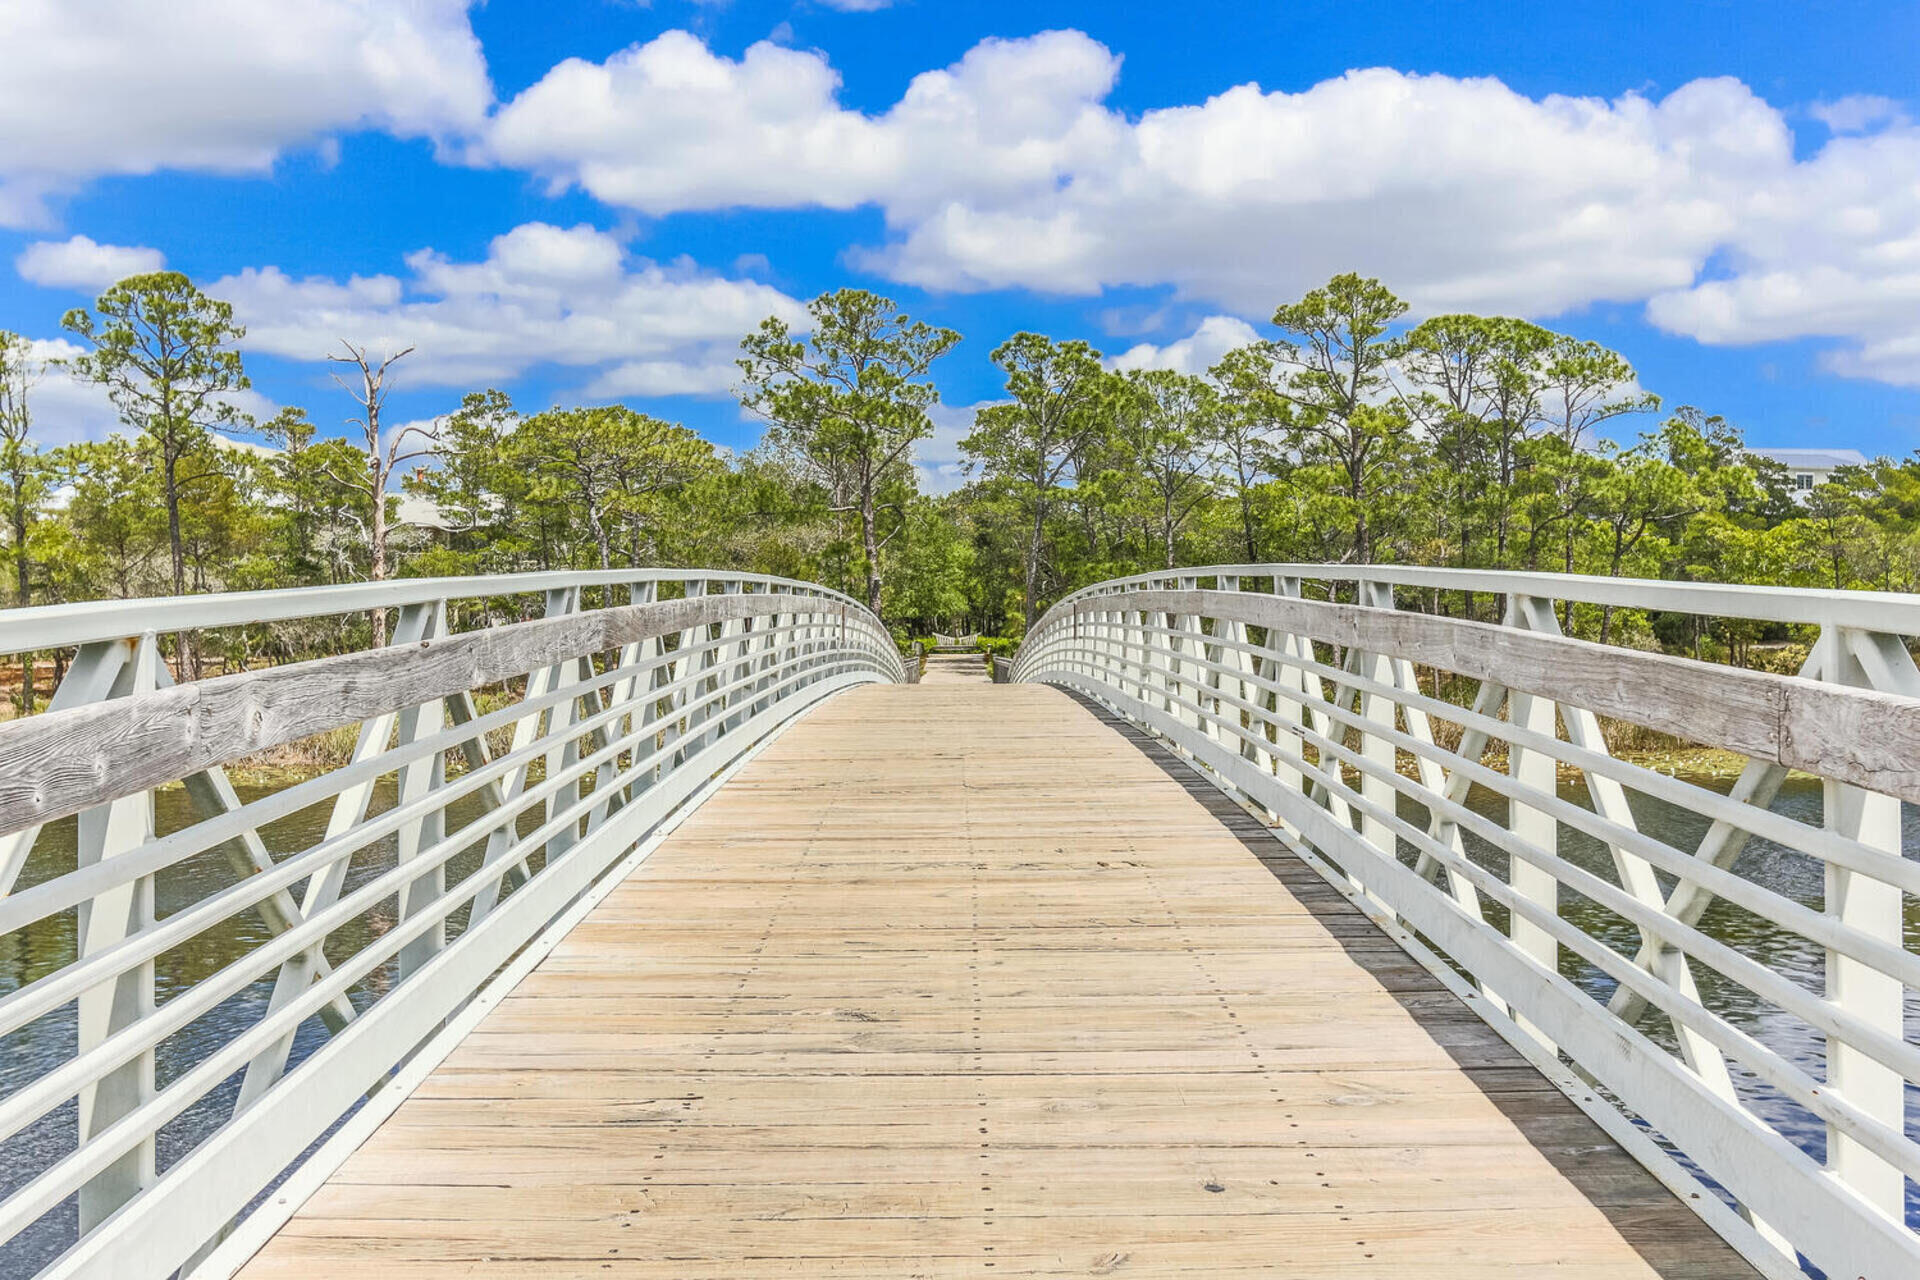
{"points": [[167, 355], [850, 398]]}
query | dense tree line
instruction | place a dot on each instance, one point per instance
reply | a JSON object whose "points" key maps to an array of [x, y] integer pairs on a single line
{"points": [[1348, 435]]}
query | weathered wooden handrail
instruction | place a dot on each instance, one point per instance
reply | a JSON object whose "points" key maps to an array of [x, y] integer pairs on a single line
{"points": [[1313, 711], [1849, 734], [502, 777], [64, 761]]}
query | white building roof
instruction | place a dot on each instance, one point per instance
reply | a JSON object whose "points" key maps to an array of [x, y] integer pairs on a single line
{"points": [[1813, 459], [237, 445]]}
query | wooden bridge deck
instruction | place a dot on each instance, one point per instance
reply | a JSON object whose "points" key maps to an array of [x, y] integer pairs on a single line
{"points": [[958, 980]]}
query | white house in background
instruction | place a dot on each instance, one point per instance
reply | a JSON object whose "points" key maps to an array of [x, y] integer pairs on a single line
{"points": [[1809, 467]]}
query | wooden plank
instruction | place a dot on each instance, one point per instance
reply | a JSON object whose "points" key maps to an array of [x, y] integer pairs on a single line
{"points": [[954, 668], [956, 980]]}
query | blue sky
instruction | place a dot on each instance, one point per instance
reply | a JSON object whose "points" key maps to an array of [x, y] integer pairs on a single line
{"points": [[591, 199]]}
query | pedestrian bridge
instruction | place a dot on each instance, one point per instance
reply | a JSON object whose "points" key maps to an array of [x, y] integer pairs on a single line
{"points": [[1274, 920]]}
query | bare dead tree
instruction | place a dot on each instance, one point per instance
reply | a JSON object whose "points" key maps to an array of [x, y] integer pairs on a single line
{"points": [[384, 456]]}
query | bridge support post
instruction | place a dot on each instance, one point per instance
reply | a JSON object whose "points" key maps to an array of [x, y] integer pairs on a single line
{"points": [[1236, 652], [1161, 658], [1375, 709], [104, 832], [1533, 769], [417, 780], [1133, 640], [1192, 680], [735, 662], [1874, 908], [1279, 674], [627, 693], [1304, 696], [686, 689]]}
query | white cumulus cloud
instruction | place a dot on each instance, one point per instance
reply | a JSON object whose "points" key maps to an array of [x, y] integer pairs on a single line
{"points": [[66, 409], [938, 458], [96, 87], [1010, 170], [1462, 193], [670, 125], [1858, 112], [543, 296], [1830, 248], [1196, 353], [83, 263]]}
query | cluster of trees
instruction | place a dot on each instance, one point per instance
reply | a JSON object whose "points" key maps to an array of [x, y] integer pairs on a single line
{"points": [[1463, 440], [1348, 435]]}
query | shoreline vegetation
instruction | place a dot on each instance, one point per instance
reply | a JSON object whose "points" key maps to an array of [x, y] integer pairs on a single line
{"points": [[1348, 433], [307, 758]]}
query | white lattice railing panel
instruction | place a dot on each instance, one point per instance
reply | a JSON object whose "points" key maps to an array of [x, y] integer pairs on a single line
{"points": [[500, 774], [1494, 824]]}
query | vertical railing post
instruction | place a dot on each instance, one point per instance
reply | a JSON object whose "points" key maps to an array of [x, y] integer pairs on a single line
{"points": [[105, 832], [1376, 709], [684, 681], [712, 668], [1158, 654], [1634, 872], [1113, 658], [1101, 643], [1207, 681], [637, 692], [1145, 669], [1300, 703], [1283, 678], [1187, 673], [1871, 907], [1533, 769], [1236, 652], [738, 635], [1086, 645], [418, 778], [768, 662], [755, 655]]}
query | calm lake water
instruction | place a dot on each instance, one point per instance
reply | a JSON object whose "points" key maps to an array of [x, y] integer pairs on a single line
{"points": [[1786, 872], [48, 945], [40, 950]]}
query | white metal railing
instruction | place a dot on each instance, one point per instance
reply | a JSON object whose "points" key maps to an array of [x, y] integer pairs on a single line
{"points": [[1314, 710], [501, 777]]}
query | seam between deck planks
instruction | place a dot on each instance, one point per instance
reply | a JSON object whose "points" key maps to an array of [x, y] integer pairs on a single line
{"points": [[957, 980]]}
